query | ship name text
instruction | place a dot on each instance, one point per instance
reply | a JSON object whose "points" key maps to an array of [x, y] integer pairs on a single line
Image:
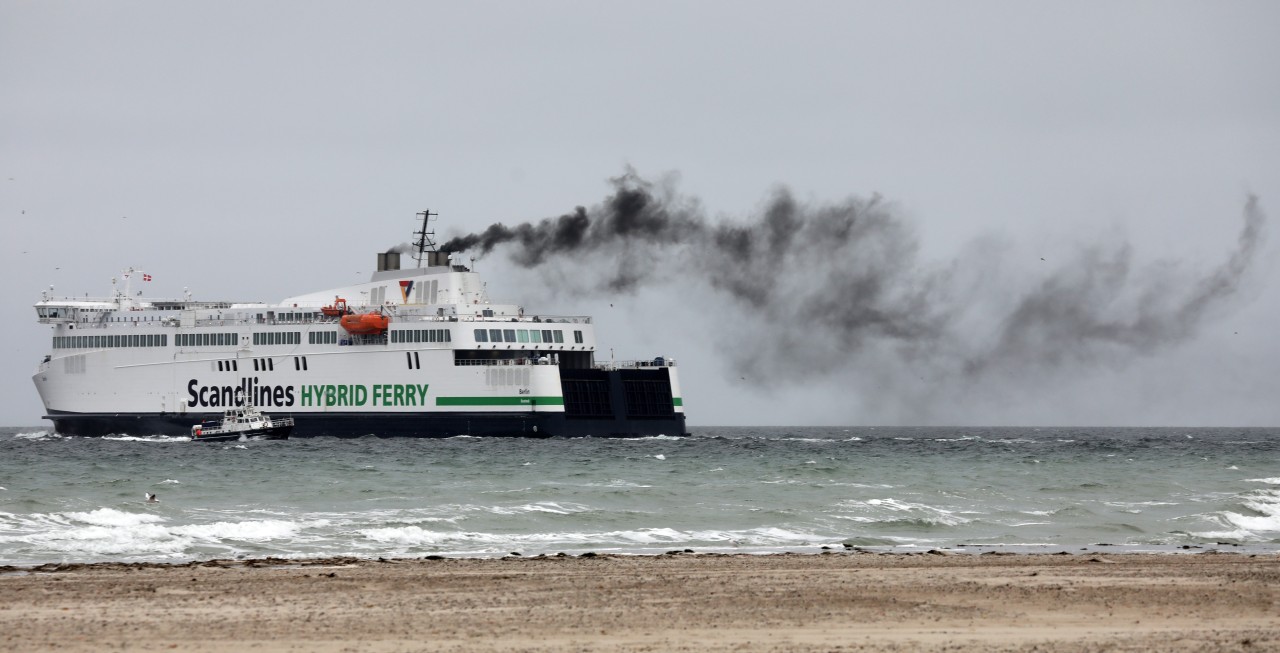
{"points": [[284, 396]]}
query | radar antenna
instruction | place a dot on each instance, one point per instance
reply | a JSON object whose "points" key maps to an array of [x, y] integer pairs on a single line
{"points": [[426, 241]]}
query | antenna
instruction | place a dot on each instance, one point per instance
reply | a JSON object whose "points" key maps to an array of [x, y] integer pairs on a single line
{"points": [[425, 237]]}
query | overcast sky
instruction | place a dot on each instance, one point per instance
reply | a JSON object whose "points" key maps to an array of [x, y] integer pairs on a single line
{"points": [[252, 151]]}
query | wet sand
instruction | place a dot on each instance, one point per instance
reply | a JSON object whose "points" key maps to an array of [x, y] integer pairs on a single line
{"points": [[841, 601]]}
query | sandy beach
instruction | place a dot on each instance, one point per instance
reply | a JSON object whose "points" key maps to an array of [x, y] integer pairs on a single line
{"points": [[841, 601]]}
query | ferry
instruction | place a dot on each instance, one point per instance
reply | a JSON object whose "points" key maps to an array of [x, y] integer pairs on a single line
{"points": [[420, 351]]}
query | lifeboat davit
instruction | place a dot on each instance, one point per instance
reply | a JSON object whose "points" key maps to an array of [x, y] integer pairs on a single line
{"points": [[366, 324]]}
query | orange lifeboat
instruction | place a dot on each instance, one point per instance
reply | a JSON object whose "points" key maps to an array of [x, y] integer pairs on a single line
{"points": [[366, 324], [339, 307]]}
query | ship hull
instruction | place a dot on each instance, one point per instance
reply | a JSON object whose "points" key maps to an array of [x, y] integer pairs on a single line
{"points": [[357, 424]]}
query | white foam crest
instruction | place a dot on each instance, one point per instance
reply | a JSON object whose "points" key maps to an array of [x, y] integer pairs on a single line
{"points": [[1236, 534], [1268, 481], [111, 517], [617, 483], [551, 507], [893, 509], [144, 539], [253, 530], [37, 435], [541, 506], [102, 532], [1264, 502], [660, 456], [415, 536], [170, 480], [147, 438], [655, 437], [406, 535]]}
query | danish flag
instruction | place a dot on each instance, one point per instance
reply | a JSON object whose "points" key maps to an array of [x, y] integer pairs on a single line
{"points": [[146, 277]]}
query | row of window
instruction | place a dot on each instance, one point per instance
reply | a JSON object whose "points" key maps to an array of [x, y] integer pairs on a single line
{"points": [[260, 365], [323, 337], [524, 335], [278, 338], [295, 317], [421, 335], [528, 336], [206, 339], [108, 342]]}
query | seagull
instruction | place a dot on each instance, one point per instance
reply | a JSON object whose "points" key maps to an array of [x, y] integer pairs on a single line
{"points": [[151, 498]]}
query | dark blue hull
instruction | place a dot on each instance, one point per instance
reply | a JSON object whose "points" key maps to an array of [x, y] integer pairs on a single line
{"points": [[421, 425]]}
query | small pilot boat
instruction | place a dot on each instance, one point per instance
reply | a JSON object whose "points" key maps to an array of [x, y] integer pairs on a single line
{"points": [[242, 422]]}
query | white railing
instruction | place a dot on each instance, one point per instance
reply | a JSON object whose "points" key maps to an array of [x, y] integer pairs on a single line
{"points": [[504, 362], [652, 363]]}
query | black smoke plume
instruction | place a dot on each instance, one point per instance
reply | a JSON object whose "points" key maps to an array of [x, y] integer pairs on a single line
{"points": [[819, 287]]}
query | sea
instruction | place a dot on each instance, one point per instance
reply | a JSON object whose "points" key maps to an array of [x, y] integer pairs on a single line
{"points": [[726, 489]]}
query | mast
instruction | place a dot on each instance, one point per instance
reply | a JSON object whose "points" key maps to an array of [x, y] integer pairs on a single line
{"points": [[425, 237]]}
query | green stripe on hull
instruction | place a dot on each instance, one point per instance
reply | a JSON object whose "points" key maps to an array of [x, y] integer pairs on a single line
{"points": [[677, 401], [499, 401]]}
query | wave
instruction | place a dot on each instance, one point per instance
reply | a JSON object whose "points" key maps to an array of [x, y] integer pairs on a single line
{"points": [[147, 438], [475, 541], [37, 435], [248, 531], [894, 512], [1256, 517], [1265, 506], [107, 532]]}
